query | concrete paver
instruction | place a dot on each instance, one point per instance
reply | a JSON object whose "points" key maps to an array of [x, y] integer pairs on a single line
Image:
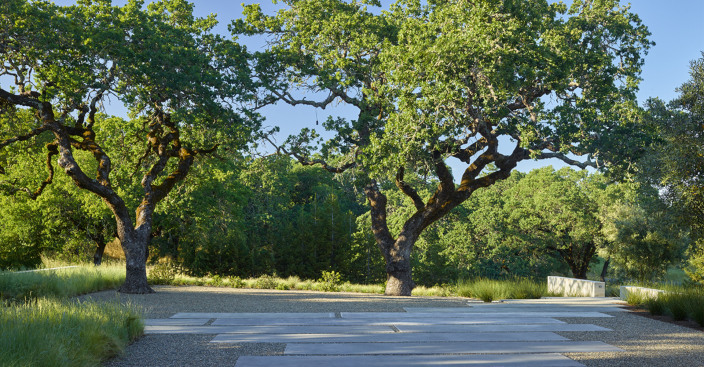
{"points": [[451, 348], [177, 322], [283, 329], [411, 328], [387, 338], [523, 360], [253, 315], [476, 315], [481, 334]]}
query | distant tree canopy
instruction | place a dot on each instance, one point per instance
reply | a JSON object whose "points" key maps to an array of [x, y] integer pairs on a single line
{"points": [[183, 85], [484, 82]]}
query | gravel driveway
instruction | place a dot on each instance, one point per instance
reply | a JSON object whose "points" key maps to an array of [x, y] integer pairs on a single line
{"points": [[646, 342]]}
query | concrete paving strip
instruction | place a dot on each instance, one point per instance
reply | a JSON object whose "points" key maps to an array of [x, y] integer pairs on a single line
{"points": [[181, 322], [478, 315], [568, 301], [512, 308], [451, 348], [301, 329], [386, 338], [247, 315], [497, 328], [271, 321], [527, 360], [391, 320]]}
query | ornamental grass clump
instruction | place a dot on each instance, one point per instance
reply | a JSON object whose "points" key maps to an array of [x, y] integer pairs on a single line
{"points": [[49, 332], [655, 306], [489, 290], [16, 286]]}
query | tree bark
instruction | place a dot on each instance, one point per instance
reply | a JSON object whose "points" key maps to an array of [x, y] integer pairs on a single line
{"points": [[99, 250], [399, 279], [604, 269], [134, 245]]}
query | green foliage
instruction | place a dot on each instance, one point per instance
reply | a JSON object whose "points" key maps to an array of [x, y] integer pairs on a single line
{"points": [[674, 162], [299, 220], [163, 272], [330, 281], [66, 333], [643, 236], [266, 282]]}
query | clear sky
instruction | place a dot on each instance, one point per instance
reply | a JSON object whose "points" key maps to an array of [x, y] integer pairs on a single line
{"points": [[676, 26]]}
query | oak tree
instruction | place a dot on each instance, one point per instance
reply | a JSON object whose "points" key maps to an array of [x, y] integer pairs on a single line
{"points": [[183, 85], [482, 82]]}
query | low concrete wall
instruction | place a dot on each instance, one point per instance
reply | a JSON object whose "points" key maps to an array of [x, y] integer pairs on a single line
{"points": [[624, 290], [572, 287]]}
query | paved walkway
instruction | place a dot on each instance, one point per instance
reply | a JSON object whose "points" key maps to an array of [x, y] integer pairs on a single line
{"points": [[512, 333]]}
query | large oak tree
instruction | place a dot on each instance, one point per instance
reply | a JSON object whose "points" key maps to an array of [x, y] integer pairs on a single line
{"points": [[483, 82], [183, 84]]}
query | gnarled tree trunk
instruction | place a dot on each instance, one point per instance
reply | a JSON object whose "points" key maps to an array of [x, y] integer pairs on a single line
{"points": [[134, 243], [399, 279]]}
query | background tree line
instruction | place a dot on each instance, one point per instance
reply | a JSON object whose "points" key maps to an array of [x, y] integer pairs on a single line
{"points": [[247, 217]]}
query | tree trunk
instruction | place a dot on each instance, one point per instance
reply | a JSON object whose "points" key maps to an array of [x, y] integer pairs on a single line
{"points": [[134, 243], [135, 247], [99, 250], [604, 269], [399, 281]]}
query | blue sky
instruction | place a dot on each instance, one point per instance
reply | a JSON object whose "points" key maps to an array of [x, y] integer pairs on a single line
{"points": [[676, 26]]}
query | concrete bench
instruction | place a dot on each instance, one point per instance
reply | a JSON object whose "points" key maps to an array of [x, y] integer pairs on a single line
{"points": [[624, 290], [572, 287]]}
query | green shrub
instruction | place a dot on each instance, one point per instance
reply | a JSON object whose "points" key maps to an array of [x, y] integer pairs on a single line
{"points": [[234, 282], [163, 272], [265, 282], [330, 281]]}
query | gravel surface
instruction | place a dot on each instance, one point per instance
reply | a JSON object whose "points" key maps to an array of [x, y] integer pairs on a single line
{"points": [[646, 342]]}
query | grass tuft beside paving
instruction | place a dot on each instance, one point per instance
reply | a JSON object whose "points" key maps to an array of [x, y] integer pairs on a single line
{"points": [[42, 327], [489, 290], [681, 303], [61, 283], [51, 332]]}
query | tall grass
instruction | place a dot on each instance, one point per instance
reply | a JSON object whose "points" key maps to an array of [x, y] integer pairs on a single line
{"points": [[50, 332], [60, 282], [679, 302], [488, 290]]}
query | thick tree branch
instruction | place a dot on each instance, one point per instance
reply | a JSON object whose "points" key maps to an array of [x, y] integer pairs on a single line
{"points": [[25, 99], [408, 190], [583, 165], [377, 202], [310, 162], [27, 136], [447, 183]]}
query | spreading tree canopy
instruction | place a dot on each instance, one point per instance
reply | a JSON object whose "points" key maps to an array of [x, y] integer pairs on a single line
{"points": [[183, 84], [482, 82]]}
